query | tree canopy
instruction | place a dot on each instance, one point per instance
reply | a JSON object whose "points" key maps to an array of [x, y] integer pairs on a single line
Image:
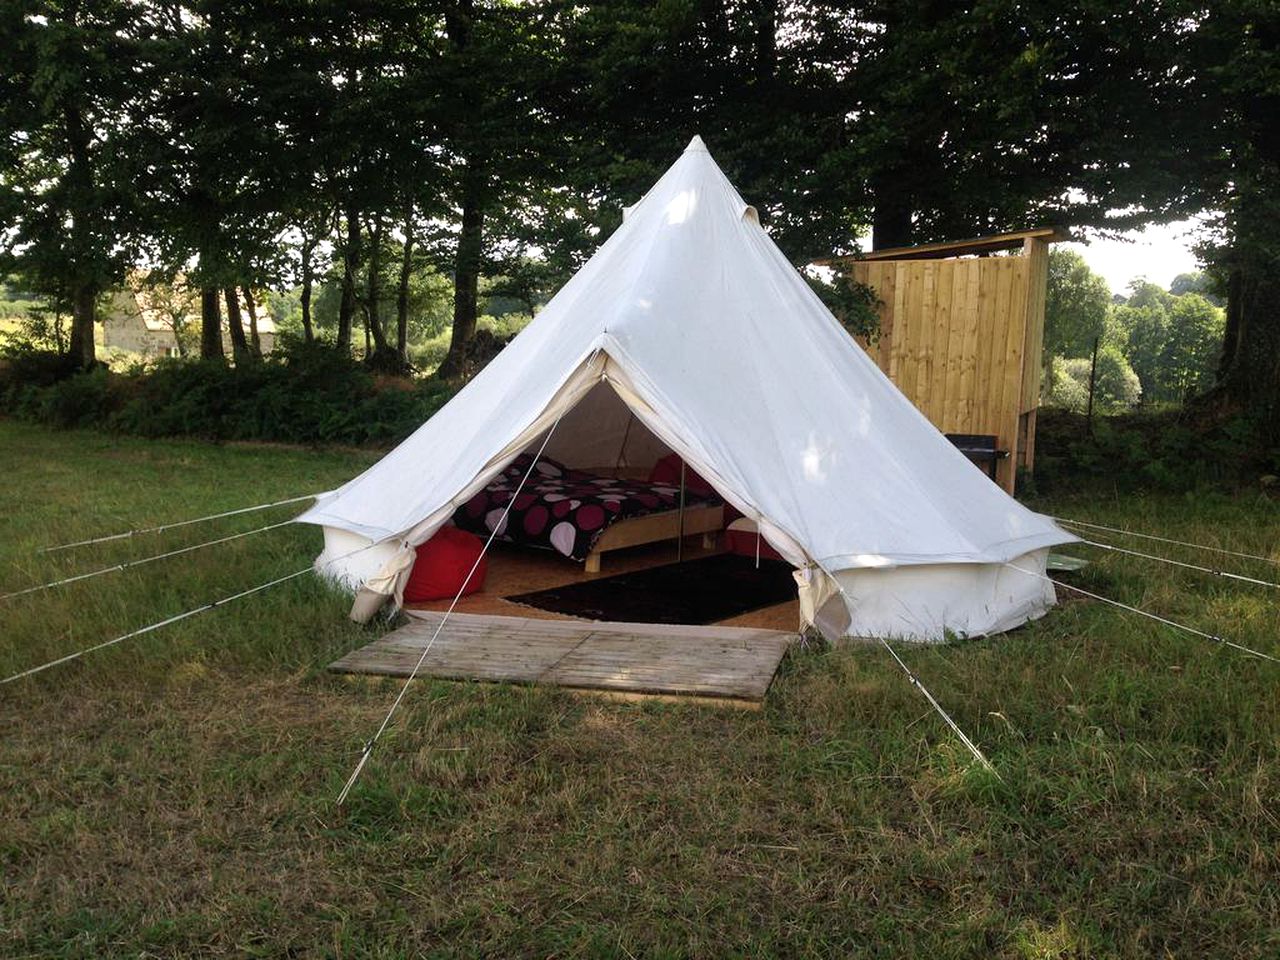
{"points": [[286, 144]]}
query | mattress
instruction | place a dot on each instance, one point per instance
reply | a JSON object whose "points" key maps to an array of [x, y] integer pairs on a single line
{"points": [[562, 509]]}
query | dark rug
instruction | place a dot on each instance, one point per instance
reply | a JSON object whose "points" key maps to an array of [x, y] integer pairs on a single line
{"points": [[697, 591]]}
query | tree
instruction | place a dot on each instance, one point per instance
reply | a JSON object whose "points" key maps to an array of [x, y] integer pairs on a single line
{"points": [[68, 79], [175, 303], [973, 118], [1234, 65], [1173, 342], [1143, 330], [1192, 348], [495, 139], [1196, 281], [1116, 387], [1077, 303]]}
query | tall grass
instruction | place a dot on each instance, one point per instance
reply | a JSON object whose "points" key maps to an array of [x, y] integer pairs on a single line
{"points": [[173, 796]]}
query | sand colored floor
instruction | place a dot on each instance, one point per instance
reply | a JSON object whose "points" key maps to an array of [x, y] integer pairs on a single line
{"points": [[514, 570]]}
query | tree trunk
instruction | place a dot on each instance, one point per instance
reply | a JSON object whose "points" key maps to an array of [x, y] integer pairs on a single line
{"points": [[308, 334], [372, 290], [1250, 372], [466, 276], [766, 39], [210, 325], [84, 294], [350, 261], [239, 345], [255, 342], [82, 349], [402, 293], [891, 220]]}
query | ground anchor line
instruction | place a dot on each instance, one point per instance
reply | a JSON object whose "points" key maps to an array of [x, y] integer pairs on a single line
{"points": [[137, 563], [178, 523], [367, 750], [1179, 563], [1153, 616], [1181, 543]]}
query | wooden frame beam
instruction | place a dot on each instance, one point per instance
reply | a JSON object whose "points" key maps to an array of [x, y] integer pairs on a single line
{"points": [[956, 248]]}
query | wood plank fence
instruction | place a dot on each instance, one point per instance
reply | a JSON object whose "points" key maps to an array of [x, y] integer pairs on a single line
{"points": [[962, 338]]}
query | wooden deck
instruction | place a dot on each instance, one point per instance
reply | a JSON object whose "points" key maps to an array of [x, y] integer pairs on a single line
{"points": [[734, 663]]}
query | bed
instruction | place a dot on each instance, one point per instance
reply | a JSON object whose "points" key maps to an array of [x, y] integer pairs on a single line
{"points": [[583, 515]]}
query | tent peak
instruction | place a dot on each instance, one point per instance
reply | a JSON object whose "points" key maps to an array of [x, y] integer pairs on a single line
{"points": [[696, 146]]}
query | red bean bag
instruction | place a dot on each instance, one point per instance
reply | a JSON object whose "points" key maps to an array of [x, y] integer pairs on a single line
{"points": [[740, 538], [443, 563]]}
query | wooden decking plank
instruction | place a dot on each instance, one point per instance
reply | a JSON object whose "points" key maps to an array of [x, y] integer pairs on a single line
{"points": [[737, 663]]}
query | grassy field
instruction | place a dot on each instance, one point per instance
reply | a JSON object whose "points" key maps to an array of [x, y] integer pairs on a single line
{"points": [[173, 795]]}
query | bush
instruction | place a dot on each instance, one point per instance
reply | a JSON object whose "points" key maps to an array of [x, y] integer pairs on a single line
{"points": [[1170, 451], [303, 393], [1116, 389]]}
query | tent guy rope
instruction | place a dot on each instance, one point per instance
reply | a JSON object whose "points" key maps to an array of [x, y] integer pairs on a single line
{"points": [[1181, 543], [1179, 563], [367, 750], [175, 619], [178, 523], [1152, 616], [916, 682], [154, 626], [137, 563]]}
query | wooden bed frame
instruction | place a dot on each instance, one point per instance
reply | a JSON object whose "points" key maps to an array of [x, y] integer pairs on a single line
{"points": [[656, 527]]}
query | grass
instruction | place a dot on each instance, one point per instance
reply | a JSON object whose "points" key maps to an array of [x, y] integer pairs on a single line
{"points": [[173, 796]]}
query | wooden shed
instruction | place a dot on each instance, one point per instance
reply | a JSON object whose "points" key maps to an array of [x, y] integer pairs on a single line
{"points": [[961, 333]]}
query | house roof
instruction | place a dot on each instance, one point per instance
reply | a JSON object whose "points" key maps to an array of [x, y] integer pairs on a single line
{"points": [[155, 319]]}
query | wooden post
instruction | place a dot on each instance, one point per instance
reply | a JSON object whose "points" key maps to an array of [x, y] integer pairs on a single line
{"points": [[1093, 379], [680, 526]]}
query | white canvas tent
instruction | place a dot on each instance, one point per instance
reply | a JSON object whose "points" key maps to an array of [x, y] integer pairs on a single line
{"points": [[692, 320]]}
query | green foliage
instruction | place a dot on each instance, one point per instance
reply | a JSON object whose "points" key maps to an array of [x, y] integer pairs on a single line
{"points": [[854, 304], [1197, 281], [1076, 304], [1116, 387], [1173, 342], [1157, 347], [1165, 451], [34, 325], [301, 394]]}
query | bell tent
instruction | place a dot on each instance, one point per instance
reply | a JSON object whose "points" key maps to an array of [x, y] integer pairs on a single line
{"points": [[691, 321]]}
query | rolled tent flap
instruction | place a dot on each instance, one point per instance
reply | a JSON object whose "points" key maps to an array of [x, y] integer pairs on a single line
{"points": [[387, 584], [821, 604]]}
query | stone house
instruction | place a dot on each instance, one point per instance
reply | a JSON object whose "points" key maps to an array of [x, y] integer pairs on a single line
{"points": [[141, 319]]}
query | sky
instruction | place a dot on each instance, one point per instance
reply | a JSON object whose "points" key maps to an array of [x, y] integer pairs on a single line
{"points": [[1158, 253]]}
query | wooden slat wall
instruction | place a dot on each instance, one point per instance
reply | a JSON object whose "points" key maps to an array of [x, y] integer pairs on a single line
{"points": [[962, 339]]}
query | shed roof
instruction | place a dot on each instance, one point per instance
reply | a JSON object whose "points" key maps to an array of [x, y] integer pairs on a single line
{"points": [[958, 248]]}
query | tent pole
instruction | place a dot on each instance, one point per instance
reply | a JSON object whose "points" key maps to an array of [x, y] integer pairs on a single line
{"points": [[680, 528]]}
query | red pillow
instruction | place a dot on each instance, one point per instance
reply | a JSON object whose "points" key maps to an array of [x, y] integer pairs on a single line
{"points": [[667, 471], [443, 563]]}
